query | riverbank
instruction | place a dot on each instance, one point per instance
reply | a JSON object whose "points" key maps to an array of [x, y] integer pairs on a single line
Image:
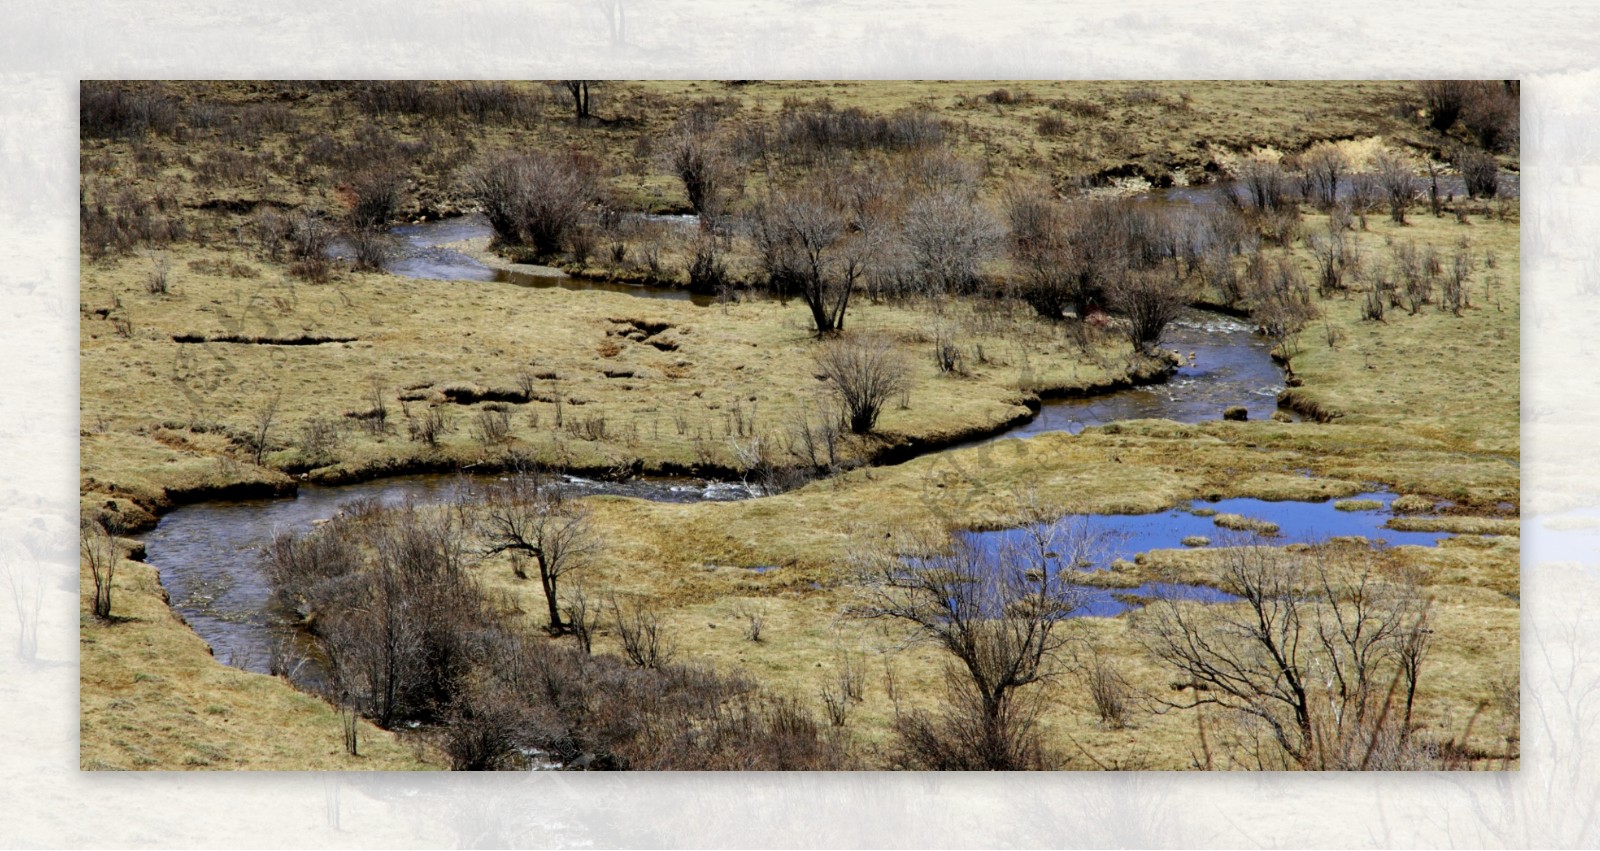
{"points": [[151, 696], [443, 375]]}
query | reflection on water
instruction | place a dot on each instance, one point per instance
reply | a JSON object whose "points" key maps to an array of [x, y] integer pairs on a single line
{"points": [[1127, 535]]}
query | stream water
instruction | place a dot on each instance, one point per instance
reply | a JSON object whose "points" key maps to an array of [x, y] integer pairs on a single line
{"points": [[208, 553], [432, 250], [1127, 535]]}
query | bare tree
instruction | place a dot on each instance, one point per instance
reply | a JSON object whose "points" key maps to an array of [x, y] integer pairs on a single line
{"points": [[1000, 611], [534, 199], [579, 90], [261, 425], [99, 550], [818, 241], [1312, 651], [865, 371], [1398, 178], [528, 513]]}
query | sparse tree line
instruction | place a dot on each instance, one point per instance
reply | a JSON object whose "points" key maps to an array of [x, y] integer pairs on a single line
{"points": [[828, 201]]}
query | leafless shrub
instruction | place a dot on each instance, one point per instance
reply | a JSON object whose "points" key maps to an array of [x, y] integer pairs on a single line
{"points": [[817, 440], [582, 616], [535, 199], [639, 629], [309, 239], [864, 371], [397, 629], [1443, 100], [1324, 165], [1372, 305], [1262, 184], [1051, 125], [1001, 615], [1479, 170], [374, 198], [158, 280], [1109, 691], [699, 161], [590, 427], [99, 551], [319, 440], [119, 221], [949, 235], [1335, 255], [108, 110], [1398, 178], [1149, 301], [261, 420], [1280, 301], [1453, 295], [493, 101], [818, 128], [427, 428], [1419, 272], [753, 620], [1491, 113], [707, 271], [812, 243], [492, 427], [370, 249]]}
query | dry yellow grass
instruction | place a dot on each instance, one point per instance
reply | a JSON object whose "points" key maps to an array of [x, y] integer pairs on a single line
{"points": [[1428, 406]]}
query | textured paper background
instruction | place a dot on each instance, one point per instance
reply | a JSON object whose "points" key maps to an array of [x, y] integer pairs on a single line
{"points": [[46, 49]]}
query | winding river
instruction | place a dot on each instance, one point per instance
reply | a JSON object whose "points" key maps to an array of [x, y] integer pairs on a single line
{"points": [[208, 553]]}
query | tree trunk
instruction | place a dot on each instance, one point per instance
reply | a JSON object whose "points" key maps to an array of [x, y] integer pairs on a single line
{"points": [[548, 580]]}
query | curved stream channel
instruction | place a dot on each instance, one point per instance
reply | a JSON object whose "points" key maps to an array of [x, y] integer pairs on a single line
{"points": [[208, 553]]}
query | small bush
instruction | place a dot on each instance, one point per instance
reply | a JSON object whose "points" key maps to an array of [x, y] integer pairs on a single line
{"points": [[1109, 692], [1479, 170], [157, 280], [865, 372], [536, 199], [1051, 125], [1444, 100], [639, 629], [493, 427]]}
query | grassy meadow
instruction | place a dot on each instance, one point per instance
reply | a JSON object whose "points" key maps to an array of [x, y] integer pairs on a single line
{"points": [[214, 365]]}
